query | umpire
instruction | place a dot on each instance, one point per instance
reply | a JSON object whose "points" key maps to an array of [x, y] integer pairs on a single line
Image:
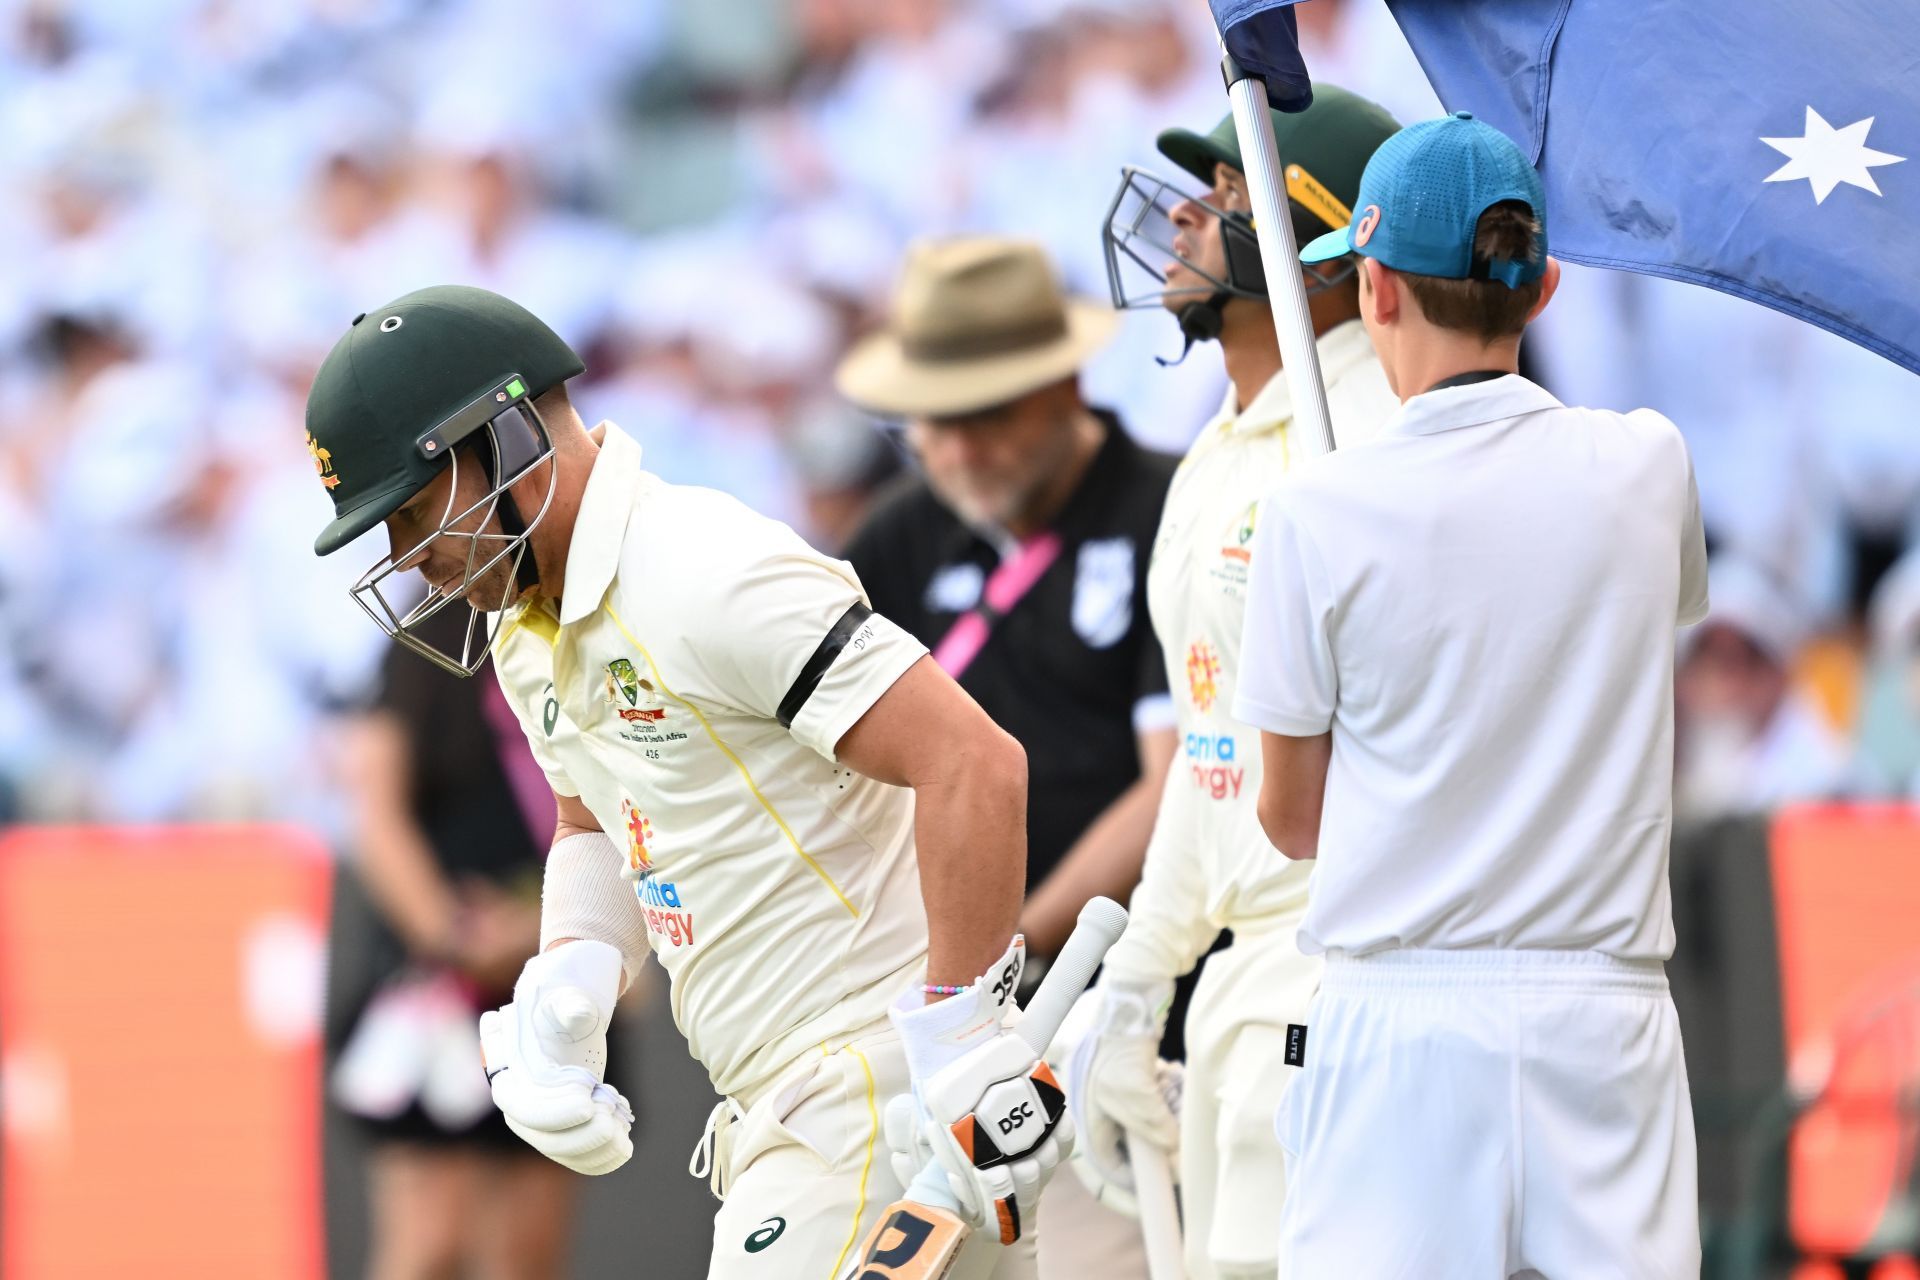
{"points": [[1018, 554]]}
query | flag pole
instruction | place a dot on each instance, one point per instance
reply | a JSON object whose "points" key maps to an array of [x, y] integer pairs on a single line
{"points": [[1279, 256]]}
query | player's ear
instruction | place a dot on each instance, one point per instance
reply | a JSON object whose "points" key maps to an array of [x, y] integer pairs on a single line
{"points": [[1379, 292], [1549, 281]]}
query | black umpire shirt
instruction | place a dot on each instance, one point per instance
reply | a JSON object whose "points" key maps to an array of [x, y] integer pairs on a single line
{"points": [[1066, 670]]}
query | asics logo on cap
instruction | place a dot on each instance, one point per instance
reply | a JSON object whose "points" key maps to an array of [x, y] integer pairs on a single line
{"points": [[1363, 230]]}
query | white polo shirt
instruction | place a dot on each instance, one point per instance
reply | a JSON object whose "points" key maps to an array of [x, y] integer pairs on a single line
{"points": [[1480, 605], [781, 891]]}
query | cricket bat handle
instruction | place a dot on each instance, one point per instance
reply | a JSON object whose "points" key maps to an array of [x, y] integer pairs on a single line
{"points": [[1159, 1215], [1100, 925]]}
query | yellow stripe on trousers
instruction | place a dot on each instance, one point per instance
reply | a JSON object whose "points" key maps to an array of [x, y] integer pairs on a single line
{"points": [[873, 1135]]}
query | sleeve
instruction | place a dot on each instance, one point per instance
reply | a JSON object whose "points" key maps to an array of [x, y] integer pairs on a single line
{"points": [[1693, 553], [790, 635], [1288, 683], [1167, 926]]}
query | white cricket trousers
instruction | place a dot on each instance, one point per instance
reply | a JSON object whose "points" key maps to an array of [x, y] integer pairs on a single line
{"points": [[1479, 1115], [804, 1172], [1233, 1174]]}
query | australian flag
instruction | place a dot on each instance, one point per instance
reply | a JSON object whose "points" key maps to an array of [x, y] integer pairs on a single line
{"points": [[1262, 37], [1768, 148]]}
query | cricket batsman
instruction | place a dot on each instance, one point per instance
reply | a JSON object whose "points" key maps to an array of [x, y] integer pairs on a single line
{"points": [[1459, 652], [772, 788], [1208, 865]]}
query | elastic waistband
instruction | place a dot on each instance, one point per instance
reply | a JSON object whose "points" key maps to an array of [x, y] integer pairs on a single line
{"points": [[1415, 970]]}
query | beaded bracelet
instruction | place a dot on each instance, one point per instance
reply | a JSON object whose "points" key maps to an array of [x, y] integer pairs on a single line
{"points": [[939, 989]]}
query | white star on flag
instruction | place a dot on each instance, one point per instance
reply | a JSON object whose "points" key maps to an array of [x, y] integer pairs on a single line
{"points": [[1826, 156]]}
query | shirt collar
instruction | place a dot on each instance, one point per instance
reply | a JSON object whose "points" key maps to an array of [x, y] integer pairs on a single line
{"points": [[600, 528], [1339, 348], [1469, 406]]}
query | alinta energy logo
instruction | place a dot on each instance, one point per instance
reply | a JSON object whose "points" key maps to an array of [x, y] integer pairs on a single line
{"points": [[1203, 675], [668, 916], [639, 833]]}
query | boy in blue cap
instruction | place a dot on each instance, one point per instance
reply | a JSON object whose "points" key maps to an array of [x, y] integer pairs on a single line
{"points": [[1459, 652]]}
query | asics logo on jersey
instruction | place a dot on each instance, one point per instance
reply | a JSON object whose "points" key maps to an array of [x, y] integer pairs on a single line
{"points": [[768, 1232]]}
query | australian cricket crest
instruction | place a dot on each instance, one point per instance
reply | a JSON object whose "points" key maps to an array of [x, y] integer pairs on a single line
{"points": [[622, 682], [1236, 551], [640, 713]]}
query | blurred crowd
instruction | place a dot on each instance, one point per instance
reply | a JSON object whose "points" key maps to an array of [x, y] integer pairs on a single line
{"points": [[709, 200]]}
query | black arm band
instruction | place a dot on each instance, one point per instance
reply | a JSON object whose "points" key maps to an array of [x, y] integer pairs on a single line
{"points": [[816, 668]]}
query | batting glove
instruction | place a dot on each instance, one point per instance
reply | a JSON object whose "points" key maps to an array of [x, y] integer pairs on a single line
{"points": [[986, 1109], [546, 1058], [1119, 1090]]}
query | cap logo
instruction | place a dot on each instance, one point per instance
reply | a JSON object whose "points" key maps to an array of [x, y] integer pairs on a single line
{"points": [[1309, 193], [390, 324], [322, 462], [1363, 229]]}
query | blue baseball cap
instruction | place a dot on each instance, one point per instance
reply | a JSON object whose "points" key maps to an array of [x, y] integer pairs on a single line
{"points": [[1421, 198]]}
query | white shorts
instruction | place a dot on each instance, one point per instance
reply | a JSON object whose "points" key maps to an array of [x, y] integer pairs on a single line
{"points": [[805, 1173], [1476, 1115]]}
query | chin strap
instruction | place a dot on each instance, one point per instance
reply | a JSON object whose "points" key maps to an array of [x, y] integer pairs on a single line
{"points": [[526, 573], [1199, 322]]}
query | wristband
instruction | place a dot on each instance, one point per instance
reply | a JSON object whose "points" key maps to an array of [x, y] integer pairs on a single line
{"points": [[584, 897]]}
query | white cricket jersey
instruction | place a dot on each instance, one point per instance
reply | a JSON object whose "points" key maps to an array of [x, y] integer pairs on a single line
{"points": [[1480, 605], [780, 891], [1209, 865]]}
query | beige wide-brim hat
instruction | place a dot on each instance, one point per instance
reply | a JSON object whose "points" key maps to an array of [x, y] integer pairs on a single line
{"points": [[977, 321]]}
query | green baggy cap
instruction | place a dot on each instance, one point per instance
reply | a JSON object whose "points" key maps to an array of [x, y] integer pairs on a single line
{"points": [[400, 372], [1329, 143]]}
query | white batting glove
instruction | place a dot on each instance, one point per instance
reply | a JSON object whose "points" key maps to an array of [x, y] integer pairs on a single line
{"points": [[1119, 1090], [986, 1108], [546, 1058]]}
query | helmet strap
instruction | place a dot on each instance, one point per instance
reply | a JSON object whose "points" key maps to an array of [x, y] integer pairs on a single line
{"points": [[526, 572], [1199, 322]]}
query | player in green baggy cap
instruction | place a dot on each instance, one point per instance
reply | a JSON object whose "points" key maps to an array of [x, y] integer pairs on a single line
{"points": [[1209, 866], [766, 785]]}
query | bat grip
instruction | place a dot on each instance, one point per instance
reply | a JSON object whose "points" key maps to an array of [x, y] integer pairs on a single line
{"points": [[1100, 925]]}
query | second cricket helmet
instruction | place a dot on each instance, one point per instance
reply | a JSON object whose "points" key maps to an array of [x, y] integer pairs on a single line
{"points": [[1323, 149], [437, 376]]}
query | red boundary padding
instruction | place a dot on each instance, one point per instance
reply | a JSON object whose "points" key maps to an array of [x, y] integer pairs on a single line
{"points": [[1846, 887], [159, 1035]]}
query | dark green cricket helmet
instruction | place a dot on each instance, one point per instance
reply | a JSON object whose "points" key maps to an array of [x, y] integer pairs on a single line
{"points": [[406, 371], [1323, 151]]}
